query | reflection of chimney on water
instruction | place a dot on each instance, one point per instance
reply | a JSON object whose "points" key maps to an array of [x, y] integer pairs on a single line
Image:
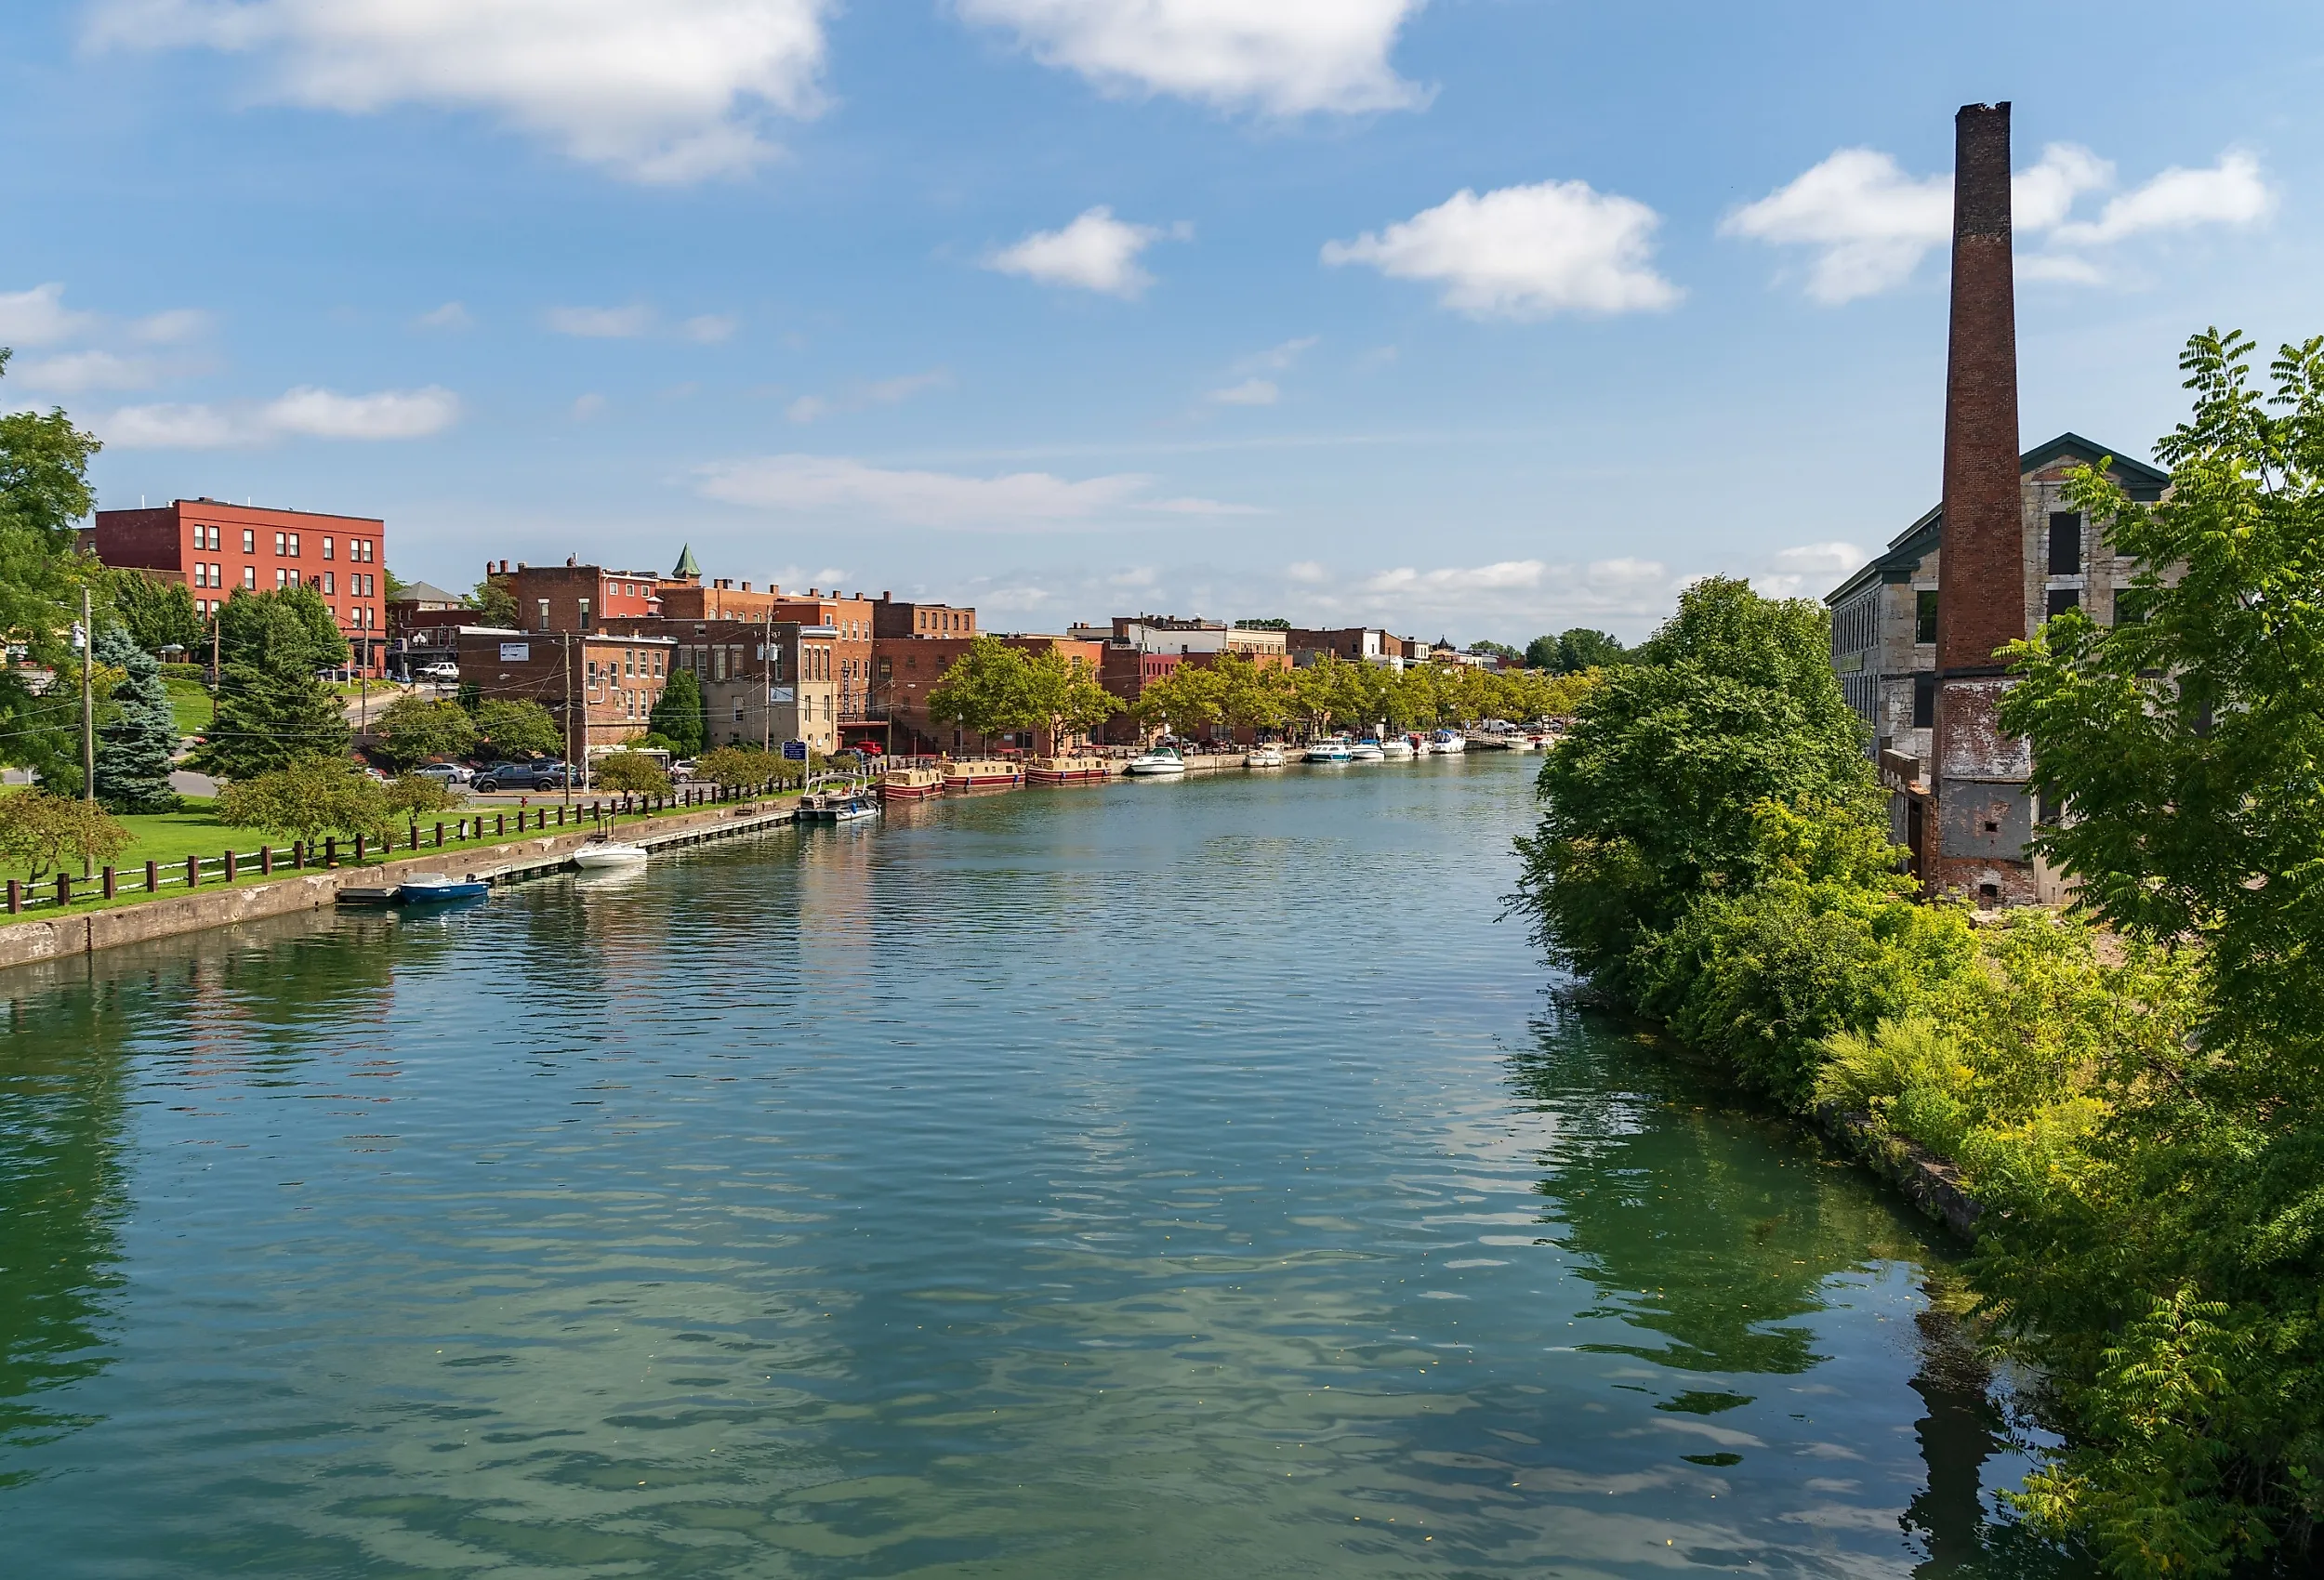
{"points": [[1982, 814]]}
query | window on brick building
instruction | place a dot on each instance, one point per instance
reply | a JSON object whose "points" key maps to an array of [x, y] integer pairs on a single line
{"points": [[326, 548], [250, 577], [327, 586], [2063, 599], [294, 546], [249, 541], [2066, 543], [1924, 614], [1924, 701]]}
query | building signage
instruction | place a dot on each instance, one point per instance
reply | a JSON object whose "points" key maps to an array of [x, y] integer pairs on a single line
{"points": [[779, 693], [793, 751], [516, 652]]}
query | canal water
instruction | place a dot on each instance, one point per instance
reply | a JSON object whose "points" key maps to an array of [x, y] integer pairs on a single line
{"points": [[1153, 1179]]}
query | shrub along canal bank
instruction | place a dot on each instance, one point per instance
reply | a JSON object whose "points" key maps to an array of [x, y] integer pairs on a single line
{"points": [[2137, 1110]]}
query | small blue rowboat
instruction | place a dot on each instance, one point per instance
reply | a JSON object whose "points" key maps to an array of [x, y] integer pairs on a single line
{"points": [[431, 889]]}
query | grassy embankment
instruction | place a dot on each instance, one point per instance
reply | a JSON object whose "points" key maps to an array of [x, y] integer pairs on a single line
{"points": [[167, 839]]}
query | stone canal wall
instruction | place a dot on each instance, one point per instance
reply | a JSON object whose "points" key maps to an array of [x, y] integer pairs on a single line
{"points": [[29, 943]]}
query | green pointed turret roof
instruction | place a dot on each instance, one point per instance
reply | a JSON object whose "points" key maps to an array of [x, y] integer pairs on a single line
{"points": [[686, 566]]}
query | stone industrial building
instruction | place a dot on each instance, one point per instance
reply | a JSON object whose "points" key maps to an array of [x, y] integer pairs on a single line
{"points": [[1884, 619], [1917, 634], [216, 549]]}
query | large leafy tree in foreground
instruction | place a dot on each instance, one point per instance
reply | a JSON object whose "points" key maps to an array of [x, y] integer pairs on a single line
{"points": [[2175, 1286], [1648, 800]]}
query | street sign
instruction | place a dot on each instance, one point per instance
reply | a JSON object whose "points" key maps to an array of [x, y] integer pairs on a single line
{"points": [[793, 751]]}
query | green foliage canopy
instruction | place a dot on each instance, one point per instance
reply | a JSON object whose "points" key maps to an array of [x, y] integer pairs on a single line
{"points": [[272, 708], [134, 746], [414, 729], [519, 729], [307, 798], [40, 831], [631, 771], [43, 491], [678, 715], [1649, 798]]}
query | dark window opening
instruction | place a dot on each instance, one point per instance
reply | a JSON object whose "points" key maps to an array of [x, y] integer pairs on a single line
{"points": [[1993, 828], [2065, 543], [2064, 599], [1989, 896], [2132, 605], [1924, 615], [1924, 702]]}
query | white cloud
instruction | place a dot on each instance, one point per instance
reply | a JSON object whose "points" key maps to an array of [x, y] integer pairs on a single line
{"points": [[1278, 359], [175, 427], [170, 327], [1021, 500], [1096, 252], [602, 324], [857, 396], [75, 372], [1251, 392], [390, 414], [1282, 57], [1838, 558], [306, 412], [38, 317], [1627, 572], [2230, 193], [452, 315], [669, 92], [1306, 571], [1525, 252], [589, 408], [1501, 576], [1870, 224], [709, 329]]}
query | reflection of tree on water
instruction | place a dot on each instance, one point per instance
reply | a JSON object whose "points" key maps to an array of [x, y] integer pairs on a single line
{"points": [[1713, 1226], [61, 1202], [1690, 1224]]}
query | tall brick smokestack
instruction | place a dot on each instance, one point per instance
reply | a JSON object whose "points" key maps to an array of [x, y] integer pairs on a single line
{"points": [[1980, 573], [1983, 814]]}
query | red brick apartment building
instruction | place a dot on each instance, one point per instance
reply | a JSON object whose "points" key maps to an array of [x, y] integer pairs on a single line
{"points": [[214, 549]]}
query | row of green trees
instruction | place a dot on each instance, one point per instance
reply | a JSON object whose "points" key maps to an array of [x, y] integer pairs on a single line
{"points": [[2133, 1090], [1333, 692], [993, 688]]}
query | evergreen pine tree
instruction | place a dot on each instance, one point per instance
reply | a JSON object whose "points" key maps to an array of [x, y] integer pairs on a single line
{"points": [[133, 750], [677, 717], [271, 707]]}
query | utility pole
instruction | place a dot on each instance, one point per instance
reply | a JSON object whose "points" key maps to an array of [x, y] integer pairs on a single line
{"points": [[567, 645], [766, 687], [88, 711], [216, 674]]}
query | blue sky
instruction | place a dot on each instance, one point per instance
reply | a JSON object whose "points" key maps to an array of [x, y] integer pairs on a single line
{"points": [[1479, 317]]}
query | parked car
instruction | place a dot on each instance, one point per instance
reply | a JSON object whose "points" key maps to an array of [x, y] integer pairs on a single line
{"points": [[449, 772], [683, 772], [444, 672], [544, 775]]}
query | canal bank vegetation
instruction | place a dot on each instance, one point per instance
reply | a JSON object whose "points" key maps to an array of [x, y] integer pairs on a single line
{"points": [[2133, 1090]]}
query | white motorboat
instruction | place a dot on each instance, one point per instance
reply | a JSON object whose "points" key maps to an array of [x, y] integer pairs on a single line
{"points": [[1158, 763], [1334, 750], [1268, 756], [1365, 751], [608, 853], [855, 809], [1395, 747], [1448, 742]]}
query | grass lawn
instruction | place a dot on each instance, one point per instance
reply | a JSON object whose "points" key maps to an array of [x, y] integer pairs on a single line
{"points": [[169, 837], [190, 701]]}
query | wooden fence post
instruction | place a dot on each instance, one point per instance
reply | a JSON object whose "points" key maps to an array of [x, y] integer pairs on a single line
{"points": [[359, 847], [330, 849], [64, 889], [233, 871], [152, 878], [299, 853], [15, 898], [193, 871], [439, 836], [109, 890]]}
